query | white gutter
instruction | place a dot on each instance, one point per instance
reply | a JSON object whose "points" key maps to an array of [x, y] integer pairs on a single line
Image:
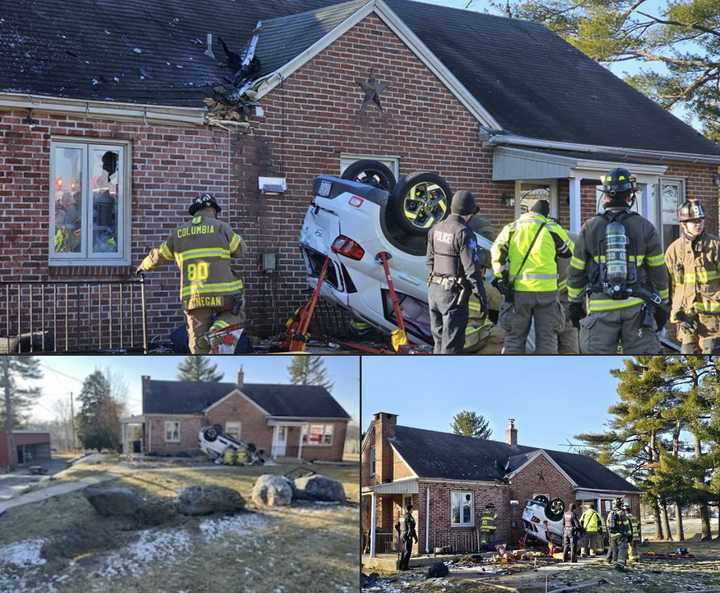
{"points": [[135, 111], [512, 139]]}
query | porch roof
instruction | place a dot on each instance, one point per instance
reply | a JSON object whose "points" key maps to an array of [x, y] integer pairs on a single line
{"points": [[399, 487]]}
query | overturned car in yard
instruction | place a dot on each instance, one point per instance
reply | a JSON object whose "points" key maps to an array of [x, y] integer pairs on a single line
{"points": [[355, 217]]}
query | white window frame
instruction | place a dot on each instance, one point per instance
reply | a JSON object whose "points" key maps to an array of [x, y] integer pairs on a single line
{"points": [[234, 423], [85, 258], [392, 162], [553, 183], [373, 466], [179, 436], [325, 433], [462, 494]]}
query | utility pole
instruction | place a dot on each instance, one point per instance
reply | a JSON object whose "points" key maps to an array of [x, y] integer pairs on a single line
{"points": [[12, 451], [72, 420]]}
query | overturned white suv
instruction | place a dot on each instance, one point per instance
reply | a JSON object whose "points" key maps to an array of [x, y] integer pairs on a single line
{"points": [[353, 218]]}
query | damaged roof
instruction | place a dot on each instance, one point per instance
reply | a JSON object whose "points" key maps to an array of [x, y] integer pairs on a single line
{"points": [[529, 79], [192, 397], [433, 454]]}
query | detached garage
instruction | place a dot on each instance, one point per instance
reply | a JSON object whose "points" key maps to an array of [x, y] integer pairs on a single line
{"points": [[32, 447]]}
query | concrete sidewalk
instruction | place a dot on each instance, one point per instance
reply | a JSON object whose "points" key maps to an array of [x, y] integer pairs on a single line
{"points": [[56, 490]]}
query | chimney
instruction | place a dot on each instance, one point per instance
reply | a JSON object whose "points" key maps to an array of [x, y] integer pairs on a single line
{"points": [[384, 429], [241, 378], [511, 433]]}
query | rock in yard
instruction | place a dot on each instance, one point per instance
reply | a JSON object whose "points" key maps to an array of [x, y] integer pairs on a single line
{"points": [[156, 512], [113, 501], [319, 487], [273, 490], [205, 500]]}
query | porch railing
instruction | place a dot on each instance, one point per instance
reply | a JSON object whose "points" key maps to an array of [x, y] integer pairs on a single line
{"points": [[384, 543], [458, 542], [73, 316]]}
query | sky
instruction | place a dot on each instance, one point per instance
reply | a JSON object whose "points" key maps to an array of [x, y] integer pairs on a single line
{"points": [[64, 374], [552, 399]]}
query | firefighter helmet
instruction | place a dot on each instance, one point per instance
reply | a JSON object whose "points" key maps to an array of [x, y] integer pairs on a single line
{"points": [[691, 209], [203, 201], [618, 181], [463, 203]]}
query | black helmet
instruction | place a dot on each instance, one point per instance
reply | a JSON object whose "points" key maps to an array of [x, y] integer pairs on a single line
{"points": [[691, 209], [203, 201], [618, 181], [463, 203]]}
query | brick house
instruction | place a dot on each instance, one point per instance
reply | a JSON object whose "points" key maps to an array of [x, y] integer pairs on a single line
{"points": [[104, 136], [284, 421], [32, 447], [442, 474]]}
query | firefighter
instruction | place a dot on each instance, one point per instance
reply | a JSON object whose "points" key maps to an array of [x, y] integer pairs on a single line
{"points": [[619, 533], [634, 539], [407, 535], [488, 524], [693, 261], [568, 338], [454, 271], [524, 261], [571, 530], [592, 525], [619, 262], [211, 294]]}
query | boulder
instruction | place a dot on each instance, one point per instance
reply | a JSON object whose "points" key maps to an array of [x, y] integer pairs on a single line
{"points": [[273, 490], [319, 487], [156, 512], [113, 501], [205, 500]]}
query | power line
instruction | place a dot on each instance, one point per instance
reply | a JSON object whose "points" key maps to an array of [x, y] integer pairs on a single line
{"points": [[49, 368]]}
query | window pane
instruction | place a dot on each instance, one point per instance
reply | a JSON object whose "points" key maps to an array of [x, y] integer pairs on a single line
{"points": [[533, 191], [455, 508], [467, 509], [315, 435], [68, 200], [105, 200]]}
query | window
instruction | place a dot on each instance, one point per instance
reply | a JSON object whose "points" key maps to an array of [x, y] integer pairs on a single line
{"points": [[232, 429], [318, 434], [372, 460], [89, 203], [172, 432], [540, 190], [461, 511], [391, 162]]}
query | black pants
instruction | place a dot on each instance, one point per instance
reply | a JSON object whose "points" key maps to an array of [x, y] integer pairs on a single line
{"points": [[405, 553], [448, 319], [569, 545]]}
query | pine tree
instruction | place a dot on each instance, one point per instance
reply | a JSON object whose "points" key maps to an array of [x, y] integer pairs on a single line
{"points": [[309, 369], [198, 368], [99, 416], [17, 400], [470, 424]]}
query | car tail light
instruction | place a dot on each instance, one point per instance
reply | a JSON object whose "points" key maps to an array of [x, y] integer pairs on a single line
{"points": [[535, 520], [347, 247]]}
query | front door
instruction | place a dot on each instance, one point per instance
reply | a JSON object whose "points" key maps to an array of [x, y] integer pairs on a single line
{"points": [[279, 441]]}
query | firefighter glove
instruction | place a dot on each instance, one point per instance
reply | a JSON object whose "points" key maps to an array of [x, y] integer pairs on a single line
{"points": [[576, 312], [501, 283], [688, 323], [139, 271]]}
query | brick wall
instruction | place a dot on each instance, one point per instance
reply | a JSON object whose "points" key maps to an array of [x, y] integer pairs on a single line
{"points": [[461, 539], [189, 429], [538, 477], [254, 428]]}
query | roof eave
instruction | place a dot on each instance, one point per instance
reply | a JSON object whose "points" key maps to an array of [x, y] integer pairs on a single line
{"points": [[516, 140]]}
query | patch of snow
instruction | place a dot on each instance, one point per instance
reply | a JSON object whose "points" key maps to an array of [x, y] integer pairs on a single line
{"points": [[116, 79], [237, 525], [178, 66], [94, 82], [107, 32], [24, 553], [137, 50], [150, 547]]}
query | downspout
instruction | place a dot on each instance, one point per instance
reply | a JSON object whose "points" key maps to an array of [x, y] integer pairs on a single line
{"points": [[427, 520]]}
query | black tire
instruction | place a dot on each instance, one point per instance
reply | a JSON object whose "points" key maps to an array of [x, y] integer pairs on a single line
{"points": [[371, 173], [555, 509], [211, 434], [419, 201], [542, 499]]}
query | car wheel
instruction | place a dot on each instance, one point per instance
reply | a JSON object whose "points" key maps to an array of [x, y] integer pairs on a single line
{"points": [[541, 498], [211, 433], [371, 173], [555, 510], [419, 201]]}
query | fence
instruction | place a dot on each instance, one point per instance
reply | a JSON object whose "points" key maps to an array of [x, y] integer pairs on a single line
{"points": [[73, 316]]}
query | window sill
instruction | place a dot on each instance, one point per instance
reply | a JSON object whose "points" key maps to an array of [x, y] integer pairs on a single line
{"points": [[470, 526], [65, 270], [315, 445]]}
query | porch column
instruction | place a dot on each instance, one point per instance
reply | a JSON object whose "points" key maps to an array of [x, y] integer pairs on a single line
{"points": [[575, 206], [302, 434], [373, 519]]}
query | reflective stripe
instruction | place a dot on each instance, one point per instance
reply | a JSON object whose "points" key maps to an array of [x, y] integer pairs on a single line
{"points": [[210, 288], [562, 285], [577, 263], [638, 259], [702, 276], [707, 307], [234, 242], [474, 306], [656, 260], [613, 304], [165, 251], [198, 253], [664, 294], [574, 292], [221, 324], [537, 277]]}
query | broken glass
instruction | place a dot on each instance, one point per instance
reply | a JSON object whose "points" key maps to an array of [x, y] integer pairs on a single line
{"points": [[68, 200]]}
